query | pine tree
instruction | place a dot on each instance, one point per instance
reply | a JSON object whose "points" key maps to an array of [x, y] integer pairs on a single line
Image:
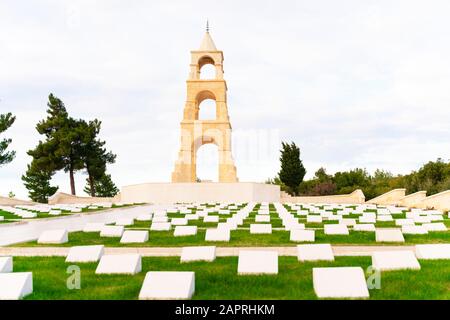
{"points": [[64, 141], [6, 121], [292, 170], [95, 156], [104, 187], [38, 184]]}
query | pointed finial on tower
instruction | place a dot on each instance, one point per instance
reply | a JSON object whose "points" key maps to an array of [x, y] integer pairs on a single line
{"points": [[207, 25]]}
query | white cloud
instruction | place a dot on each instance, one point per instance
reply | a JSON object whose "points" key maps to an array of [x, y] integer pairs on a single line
{"points": [[354, 83]]}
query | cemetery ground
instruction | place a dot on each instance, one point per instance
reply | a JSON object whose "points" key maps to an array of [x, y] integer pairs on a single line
{"points": [[219, 279], [120, 270], [242, 237]]}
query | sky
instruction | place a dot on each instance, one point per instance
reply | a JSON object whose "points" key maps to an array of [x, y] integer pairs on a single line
{"points": [[354, 83]]}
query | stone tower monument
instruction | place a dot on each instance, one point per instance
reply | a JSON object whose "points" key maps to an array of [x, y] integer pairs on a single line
{"points": [[195, 132]]}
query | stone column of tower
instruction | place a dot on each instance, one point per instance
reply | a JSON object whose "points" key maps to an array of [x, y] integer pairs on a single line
{"points": [[195, 132]]}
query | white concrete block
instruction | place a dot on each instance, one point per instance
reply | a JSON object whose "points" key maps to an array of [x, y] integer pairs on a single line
{"points": [[385, 218], [348, 221], [206, 253], [220, 234], [185, 231], [257, 262], [314, 219], [160, 219], [414, 230], [160, 226], [340, 282], [111, 231], [144, 217], [436, 226], [262, 218], [54, 236], [433, 251], [367, 219], [14, 286], [394, 260], [179, 221], [54, 212], [299, 235], [85, 253], [6, 264], [93, 227], [368, 227], [134, 236], [119, 264], [389, 235], [335, 229], [315, 252], [261, 228], [124, 222], [168, 285], [214, 219], [404, 222]]}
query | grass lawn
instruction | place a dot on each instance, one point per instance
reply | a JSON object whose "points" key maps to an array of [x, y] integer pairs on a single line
{"points": [[240, 238], [219, 279]]}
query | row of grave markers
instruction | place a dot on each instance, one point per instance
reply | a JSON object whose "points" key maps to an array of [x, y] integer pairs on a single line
{"points": [[329, 282]]}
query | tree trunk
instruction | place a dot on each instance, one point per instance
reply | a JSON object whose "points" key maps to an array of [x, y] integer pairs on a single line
{"points": [[72, 182], [91, 185]]}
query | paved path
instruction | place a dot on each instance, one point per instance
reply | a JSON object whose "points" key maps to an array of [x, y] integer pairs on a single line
{"points": [[172, 252], [29, 231]]}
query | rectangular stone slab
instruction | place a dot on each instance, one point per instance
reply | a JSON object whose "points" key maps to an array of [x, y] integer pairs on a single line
{"points": [[389, 235], [257, 262], [93, 227], [111, 231], [124, 222], [414, 230], [54, 236], [206, 253], [160, 226], [160, 219], [439, 226], [144, 217], [14, 286], [314, 219], [299, 235], [6, 264], [134, 236], [119, 264], [179, 221], [335, 229], [262, 218], [340, 282], [262, 228], [181, 231], [220, 234], [394, 260], [433, 251], [211, 219], [315, 252], [368, 227], [85, 253], [168, 285]]}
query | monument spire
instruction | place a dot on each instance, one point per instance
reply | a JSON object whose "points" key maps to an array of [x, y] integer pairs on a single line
{"points": [[207, 25]]}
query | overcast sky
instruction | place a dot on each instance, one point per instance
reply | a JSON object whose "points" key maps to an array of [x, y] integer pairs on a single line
{"points": [[353, 83]]}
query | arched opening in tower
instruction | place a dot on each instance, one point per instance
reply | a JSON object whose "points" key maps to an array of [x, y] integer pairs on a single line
{"points": [[207, 110], [208, 163]]}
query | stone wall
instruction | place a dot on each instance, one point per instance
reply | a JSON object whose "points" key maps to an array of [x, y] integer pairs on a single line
{"points": [[65, 198], [389, 198], [356, 196], [5, 201]]}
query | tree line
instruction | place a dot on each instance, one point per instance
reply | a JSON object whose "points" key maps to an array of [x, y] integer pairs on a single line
{"points": [[433, 177], [68, 145]]}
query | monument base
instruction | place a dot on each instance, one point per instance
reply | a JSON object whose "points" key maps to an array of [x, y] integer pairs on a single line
{"points": [[167, 193]]}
